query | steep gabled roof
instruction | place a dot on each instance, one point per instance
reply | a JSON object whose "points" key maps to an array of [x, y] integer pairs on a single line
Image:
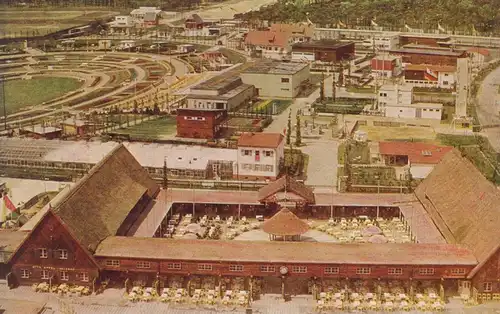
{"points": [[285, 223], [98, 204], [290, 185], [463, 204], [267, 38]]}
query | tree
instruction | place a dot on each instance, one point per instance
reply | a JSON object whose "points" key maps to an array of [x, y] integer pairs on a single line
{"points": [[165, 179], [341, 74], [334, 88], [322, 89], [289, 128], [298, 135]]}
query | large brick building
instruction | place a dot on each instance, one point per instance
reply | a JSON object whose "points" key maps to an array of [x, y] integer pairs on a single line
{"points": [[207, 124], [323, 50], [92, 233], [426, 55]]}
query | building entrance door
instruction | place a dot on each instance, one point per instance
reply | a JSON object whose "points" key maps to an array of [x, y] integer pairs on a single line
{"points": [[271, 285]]}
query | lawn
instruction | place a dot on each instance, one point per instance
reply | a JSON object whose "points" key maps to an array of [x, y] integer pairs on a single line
{"points": [[40, 22], [478, 150], [156, 129], [381, 133], [359, 153], [25, 93]]}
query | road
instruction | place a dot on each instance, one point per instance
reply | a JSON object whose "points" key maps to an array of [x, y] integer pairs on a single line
{"points": [[227, 9], [488, 108]]}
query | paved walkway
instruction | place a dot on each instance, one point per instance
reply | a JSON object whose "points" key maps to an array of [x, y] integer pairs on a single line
{"points": [[488, 107]]}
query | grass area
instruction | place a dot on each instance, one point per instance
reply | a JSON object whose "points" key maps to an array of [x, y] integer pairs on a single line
{"points": [[150, 130], [362, 90], [370, 176], [476, 149], [270, 106], [25, 93], [359, 153], [381, 133], [40, 22]]}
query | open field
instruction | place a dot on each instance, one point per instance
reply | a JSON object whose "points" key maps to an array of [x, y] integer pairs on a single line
{"points": [[40, 22], [381, 133], [25, 93], [156, 129]]}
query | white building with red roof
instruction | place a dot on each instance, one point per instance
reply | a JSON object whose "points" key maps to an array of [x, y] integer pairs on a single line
{"points": [[419, 158], [259, 156], [269, 44]]}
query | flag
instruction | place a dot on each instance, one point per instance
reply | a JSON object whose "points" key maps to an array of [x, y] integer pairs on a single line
{"points": [[407, 27], [474, 32], [341, 24], [440, 28], [373, 23], [430, 75], [284, 131], [8, 203]]}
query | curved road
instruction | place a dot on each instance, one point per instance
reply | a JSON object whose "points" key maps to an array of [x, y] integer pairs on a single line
{"points": [[488, 107]]}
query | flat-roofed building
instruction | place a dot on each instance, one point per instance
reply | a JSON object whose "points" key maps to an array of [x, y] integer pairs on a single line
{"points": [[207, 124], [275, 79], [324, 50]]}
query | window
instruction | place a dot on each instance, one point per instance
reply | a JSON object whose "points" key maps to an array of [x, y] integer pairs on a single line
{"points": [[63, 254], [45, 274], [267, 269], [25, 273], [257, 155], [363, 270], [235, 267], [268, 153], [113, 263], [487, 287], [458, 271], [285, 89], [426, 271], [143, 264], [395, 271], [174, 266], [44, 253], [446, 74], [268, 168], [64, 275], [299, 269], [204, 266], [431, 109], [285, 80], [84, 276], [445, 82], [246, 152], [331, 270]]}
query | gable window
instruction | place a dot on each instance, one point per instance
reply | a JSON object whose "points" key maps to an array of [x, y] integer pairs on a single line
{"points": [[235, 267], [174, 266], [458, 271], [267, 269], [246, 152], [84, 276], [395, 271], [113, 263], [45, 274], [299, 269], [25, 273], [331, 270], [143, 264], [204, 266], [64, 275], [363, 270], [487, 287], [44, 253], [63, 254], [426, 271]]}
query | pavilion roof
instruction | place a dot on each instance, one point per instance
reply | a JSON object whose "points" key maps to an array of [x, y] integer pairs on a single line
{"points": [[286, 183], [285, 223]]}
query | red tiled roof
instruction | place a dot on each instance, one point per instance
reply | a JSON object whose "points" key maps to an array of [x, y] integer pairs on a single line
{"points": [[285, 252], [485, 52], [418, 153], [297, 28], [289, 184], [432, 67], [267, 38], [265, 140]]}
